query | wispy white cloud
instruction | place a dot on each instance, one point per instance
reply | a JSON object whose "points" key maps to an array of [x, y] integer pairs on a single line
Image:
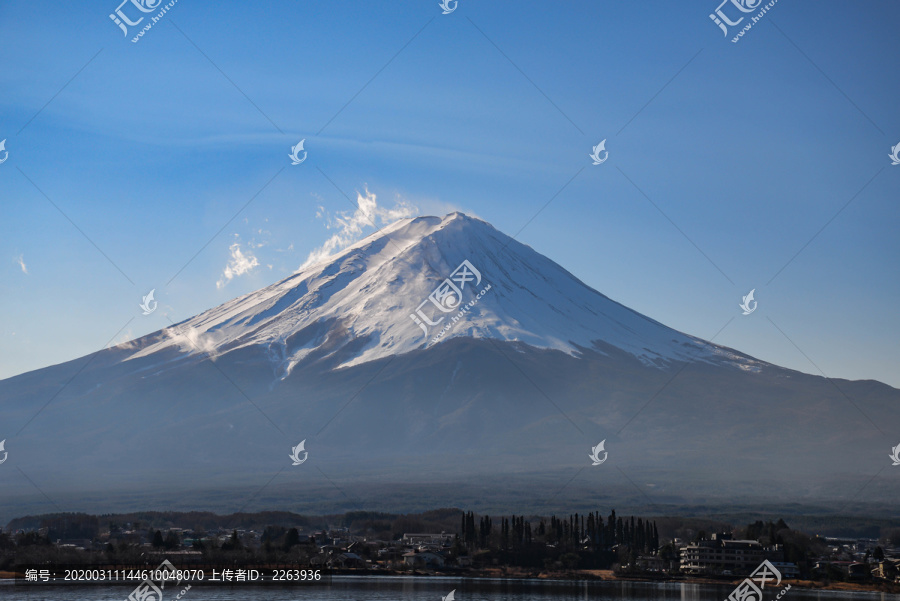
{"points": [[125, 341], [239, 264], [20, 259], [351, 226], [192, 340]]}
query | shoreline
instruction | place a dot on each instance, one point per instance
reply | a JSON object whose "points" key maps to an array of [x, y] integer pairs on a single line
{"points": [[7, 577], [610, 576]]}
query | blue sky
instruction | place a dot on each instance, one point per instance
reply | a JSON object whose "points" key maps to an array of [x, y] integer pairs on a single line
{"points": [[127, 161]]}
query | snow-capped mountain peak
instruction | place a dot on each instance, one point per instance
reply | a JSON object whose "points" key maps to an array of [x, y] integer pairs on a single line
{"points": [[418, 283]]}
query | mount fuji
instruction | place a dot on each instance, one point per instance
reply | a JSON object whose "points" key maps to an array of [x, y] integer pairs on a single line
{"points": [[437, 353], [355, 307]]}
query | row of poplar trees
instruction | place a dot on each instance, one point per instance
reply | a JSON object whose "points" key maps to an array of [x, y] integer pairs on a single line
{"points": [[585, 532]]}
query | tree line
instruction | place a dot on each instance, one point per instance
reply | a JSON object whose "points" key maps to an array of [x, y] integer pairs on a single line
{"points": [[585, 540]]}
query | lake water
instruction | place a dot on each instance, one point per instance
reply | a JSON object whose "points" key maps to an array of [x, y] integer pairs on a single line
{"points": [[349, 588]]}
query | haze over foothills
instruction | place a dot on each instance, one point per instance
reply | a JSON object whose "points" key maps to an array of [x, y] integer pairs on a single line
{"points": [[732, 166]]}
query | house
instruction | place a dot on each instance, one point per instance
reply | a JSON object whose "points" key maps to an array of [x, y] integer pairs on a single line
{"points": [[348, 560], [651, 563], [889, 569], [420, 538], [858, 571], [365, 548], [787, 569], [331, 550], [77, 543], [827, 566], [425, 559]]}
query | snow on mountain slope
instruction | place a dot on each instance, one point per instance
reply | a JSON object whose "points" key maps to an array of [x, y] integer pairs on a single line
{"points": [[368, 294]]}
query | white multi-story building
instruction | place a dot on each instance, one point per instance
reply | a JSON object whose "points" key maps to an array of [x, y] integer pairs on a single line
{"points": [[722, 555]]}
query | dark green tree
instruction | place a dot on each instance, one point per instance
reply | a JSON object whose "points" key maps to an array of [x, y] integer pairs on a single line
{"points": [[504, 533], [611, 529], [233, 543], [172, 541], [291, 539]]}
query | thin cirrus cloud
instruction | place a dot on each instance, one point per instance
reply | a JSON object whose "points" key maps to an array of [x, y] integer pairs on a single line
{"points": [[350, 226], [239, 264]]}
